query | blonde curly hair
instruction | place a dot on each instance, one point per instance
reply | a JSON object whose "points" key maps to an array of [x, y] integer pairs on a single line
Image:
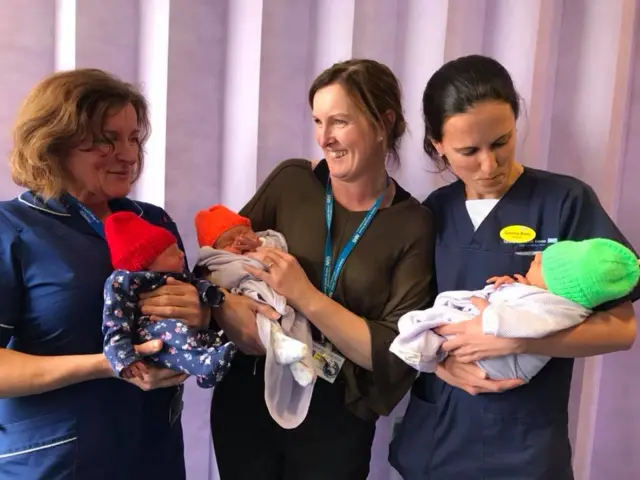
{"points": [[63, 111]]}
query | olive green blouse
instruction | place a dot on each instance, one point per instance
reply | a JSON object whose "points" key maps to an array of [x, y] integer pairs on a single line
{"points": [[389, 272]]}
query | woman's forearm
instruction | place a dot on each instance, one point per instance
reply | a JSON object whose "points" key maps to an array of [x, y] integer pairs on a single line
{"points": [[22, 374], [603, 332], [347, 331]]}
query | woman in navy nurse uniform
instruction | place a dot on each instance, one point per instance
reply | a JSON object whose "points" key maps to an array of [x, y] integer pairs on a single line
{"points": [[77, 149], [459, 425]]}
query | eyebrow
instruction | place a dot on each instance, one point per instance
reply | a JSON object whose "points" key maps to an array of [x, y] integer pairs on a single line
{"points": [[504, 137], [337, 114], [115, 132]]}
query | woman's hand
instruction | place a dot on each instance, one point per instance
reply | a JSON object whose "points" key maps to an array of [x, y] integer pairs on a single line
{"points": [[469, 343], [156, 377], [284, 274], [471, 378], [152, 377], [237, 317], [178, 300]]}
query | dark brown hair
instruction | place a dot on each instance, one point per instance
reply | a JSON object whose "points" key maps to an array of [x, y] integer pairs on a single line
{"points": [[374, 89], [62, 112], [455, 88]]}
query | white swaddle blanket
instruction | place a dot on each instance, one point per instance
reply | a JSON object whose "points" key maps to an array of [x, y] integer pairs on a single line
{"points": [[515, 311], [289, 374]]}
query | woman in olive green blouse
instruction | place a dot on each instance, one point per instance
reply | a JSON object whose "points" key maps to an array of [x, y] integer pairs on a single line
{"points": [[352, 285]]}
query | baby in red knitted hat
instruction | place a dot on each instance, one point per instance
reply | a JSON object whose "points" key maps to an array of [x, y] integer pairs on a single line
{"points": [[225, 238], [144, 256]]}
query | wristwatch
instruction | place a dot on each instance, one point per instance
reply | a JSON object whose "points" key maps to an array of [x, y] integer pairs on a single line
{"points": [[213, 296]]}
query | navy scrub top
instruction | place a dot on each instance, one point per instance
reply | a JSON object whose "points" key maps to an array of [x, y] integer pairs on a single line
{"points": [[521, 434], [53, 266]]}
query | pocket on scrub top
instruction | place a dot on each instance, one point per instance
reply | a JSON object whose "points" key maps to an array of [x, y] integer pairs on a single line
{"points": [[411, 447], [533, 445], [39, 448]]}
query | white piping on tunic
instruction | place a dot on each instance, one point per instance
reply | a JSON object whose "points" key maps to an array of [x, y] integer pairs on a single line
{"points": [[31, 450], [53, 212]]}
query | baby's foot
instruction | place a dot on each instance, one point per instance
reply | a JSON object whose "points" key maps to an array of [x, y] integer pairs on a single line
{"points": [[302, 373], [287, 350]]}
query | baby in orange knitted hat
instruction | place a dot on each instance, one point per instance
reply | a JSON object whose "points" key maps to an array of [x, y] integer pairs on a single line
{"points": [[225, 238], [144, 256], [222, 229]]}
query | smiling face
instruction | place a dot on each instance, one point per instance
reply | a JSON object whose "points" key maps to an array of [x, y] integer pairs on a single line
{"points": [[479, 146], [102, 172], [351, 145]]}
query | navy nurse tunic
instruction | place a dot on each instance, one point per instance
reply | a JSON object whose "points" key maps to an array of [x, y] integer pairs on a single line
{"points": [[521, 434], [53, 266]]}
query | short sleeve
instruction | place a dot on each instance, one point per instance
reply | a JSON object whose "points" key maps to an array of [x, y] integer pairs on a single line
{"points": [[11, 284], [583, 217], [412, 288]]}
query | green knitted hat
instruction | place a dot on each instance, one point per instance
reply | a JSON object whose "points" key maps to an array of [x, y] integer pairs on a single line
{"points": [[590, 272]]}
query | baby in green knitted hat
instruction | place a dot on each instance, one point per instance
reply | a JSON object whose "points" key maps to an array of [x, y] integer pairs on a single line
{"points": [[588, 272], [563, 285]]}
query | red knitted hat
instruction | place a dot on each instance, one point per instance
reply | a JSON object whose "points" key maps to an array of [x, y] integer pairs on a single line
{"points": [[133, 242], [214, 221]]}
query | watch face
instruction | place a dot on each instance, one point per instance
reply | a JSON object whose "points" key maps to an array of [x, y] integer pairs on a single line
{"points": [[214, 296]]}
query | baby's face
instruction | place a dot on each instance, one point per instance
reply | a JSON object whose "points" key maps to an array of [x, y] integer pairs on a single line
{"points": [[534, 275], [238, 240], [171, 260]]}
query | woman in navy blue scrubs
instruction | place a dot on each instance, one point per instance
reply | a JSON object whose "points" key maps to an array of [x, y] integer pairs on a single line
{"points": [[77, 150], [489, 222]]}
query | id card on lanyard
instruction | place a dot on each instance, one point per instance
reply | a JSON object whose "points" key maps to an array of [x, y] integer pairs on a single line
{"points": [[328, 363], [93, 221]]}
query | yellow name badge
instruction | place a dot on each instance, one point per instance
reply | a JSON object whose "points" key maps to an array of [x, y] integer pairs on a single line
{"points": [[517, 234]]}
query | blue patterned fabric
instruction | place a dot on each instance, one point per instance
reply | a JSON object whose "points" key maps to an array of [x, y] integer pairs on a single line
{"points": [[202, 353]]}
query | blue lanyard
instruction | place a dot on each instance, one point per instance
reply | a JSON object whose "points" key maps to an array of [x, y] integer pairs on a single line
{"points": [[93, 221], [329, 277]]}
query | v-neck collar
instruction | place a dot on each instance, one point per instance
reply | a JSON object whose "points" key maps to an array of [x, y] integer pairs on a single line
{"points": [[465, 224], [59, 208]]}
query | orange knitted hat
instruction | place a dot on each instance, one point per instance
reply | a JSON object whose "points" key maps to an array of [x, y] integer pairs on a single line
{"points": [[214, 221]]}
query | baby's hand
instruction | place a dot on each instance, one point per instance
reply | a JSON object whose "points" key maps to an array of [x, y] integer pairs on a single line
{"points": [[135, 370], [245, 243], [497, 281]]}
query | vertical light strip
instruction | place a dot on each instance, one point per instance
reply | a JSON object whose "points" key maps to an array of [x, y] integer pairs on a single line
{"points": [[153, 76], [425, 32], [465, 28], [536, 139], [607, 46], [334, 29], [65, 35], [334, 41], [621, 102], [609, 196], [242, 102]]}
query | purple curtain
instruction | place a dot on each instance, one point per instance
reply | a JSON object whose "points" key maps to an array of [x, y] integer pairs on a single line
{"points": [[227, 82]]}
